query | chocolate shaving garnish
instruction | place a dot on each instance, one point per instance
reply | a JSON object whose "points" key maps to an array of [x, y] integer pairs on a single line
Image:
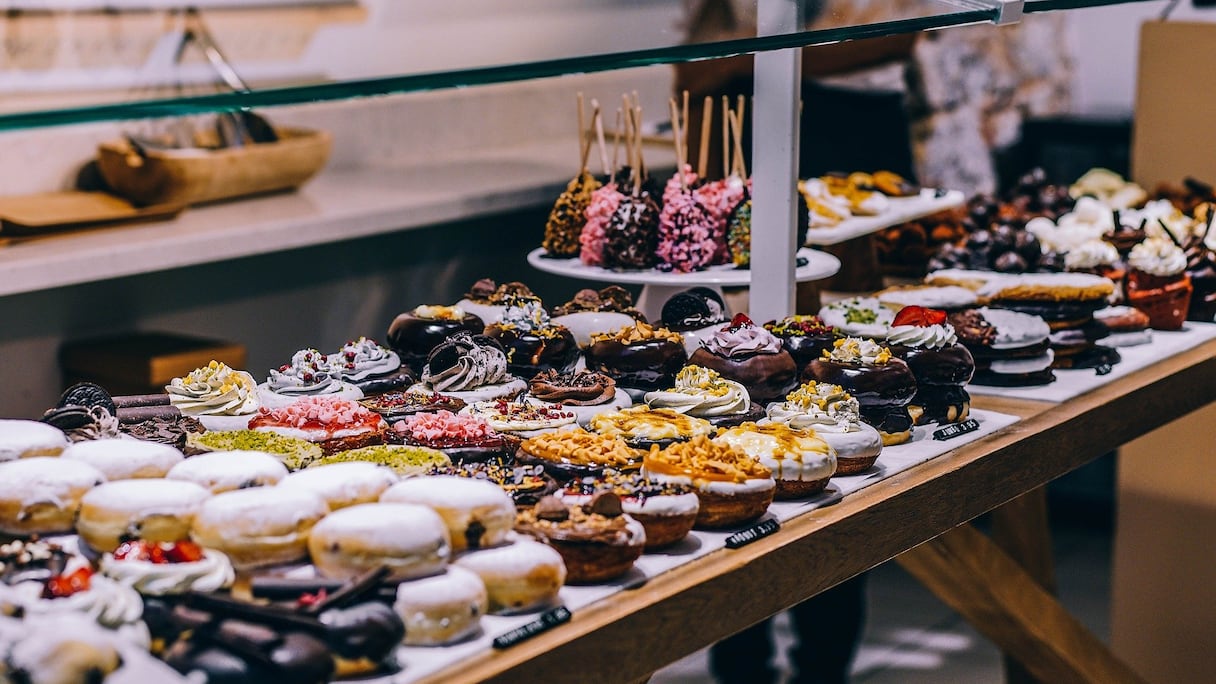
{"points": [[607, 504], [227, 607], [355, 590], [552, 509], [1169, 234]]}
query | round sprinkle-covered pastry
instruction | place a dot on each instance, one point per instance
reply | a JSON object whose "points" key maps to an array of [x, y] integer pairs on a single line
{"points": [[411, 540], [478, 514]]}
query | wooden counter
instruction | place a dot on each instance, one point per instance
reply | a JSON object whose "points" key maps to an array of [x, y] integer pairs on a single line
{"points": [[636, 632]]}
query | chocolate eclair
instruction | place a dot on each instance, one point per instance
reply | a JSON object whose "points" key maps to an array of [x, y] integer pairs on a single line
{"points": [[532, 342], [578, 388], [414, 334], [751, 356], [638, 357], [882, 384]]}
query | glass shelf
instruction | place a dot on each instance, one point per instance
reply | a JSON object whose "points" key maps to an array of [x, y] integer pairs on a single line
{"points": [[398, 47]]}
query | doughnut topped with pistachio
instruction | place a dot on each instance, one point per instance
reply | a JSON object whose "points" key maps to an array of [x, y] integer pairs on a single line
{"points": [[804, 337], [859, 316]]}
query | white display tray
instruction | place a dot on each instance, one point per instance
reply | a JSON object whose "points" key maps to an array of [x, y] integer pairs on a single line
{"points": [[418, 662], [1074, 383], [660, 286], [902, 209]]}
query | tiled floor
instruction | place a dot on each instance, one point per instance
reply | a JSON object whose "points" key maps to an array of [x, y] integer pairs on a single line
{"points": [[911, 637]]}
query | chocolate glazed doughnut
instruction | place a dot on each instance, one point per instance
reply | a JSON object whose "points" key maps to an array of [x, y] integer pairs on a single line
{"points": [[415, 333], [883, 392], [767, 377]]}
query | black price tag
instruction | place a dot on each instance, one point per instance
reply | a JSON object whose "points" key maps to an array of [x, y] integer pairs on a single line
{"points": [[758, 531], [1103, 369], [547, 620], [952, 431]]}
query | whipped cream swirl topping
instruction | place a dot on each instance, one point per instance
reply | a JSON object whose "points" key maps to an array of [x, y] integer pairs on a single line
{"points": [[1091, 254], [308, 373], [362, 359], [924, 337], [526, 315], [212, 573], [471, 365], [111, 604], [820, 406], [1157, 256], [434, 312], [703, 393], [857, 350], [742, 338], [214, 390]]}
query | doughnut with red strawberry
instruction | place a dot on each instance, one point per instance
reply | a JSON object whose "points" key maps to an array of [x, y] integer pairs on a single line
{"points": [[924, 339]]}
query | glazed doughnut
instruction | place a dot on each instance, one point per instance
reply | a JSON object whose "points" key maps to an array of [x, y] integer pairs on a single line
{"points": [[344, 484], [41, 496], [441, 609], [153, 510], [125, 459], [224, 471], [478, 514], [28, 438], [519, 577], [411, 540], [261, 526]]}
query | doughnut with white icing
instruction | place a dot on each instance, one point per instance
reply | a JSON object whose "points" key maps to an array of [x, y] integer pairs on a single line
{"points": [[478, 514], [442, 609], [224, 471], [125, 459], [259, 527], [41, 496], [344, 484], [155, 510], [410, 540], [28, 438], [519, 577]]}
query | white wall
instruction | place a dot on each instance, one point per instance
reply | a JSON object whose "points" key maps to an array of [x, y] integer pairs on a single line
{"points": [[1106, 40]]}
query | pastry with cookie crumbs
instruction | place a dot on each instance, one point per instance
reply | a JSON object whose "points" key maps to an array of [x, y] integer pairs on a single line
{"points": [[801, 461], [597, 540], [704, 393], [695, 314], [577, 453], [733, 487], [470, 368], [521, 418], [666, 510], [415, 333], [642, 427], [532, 341], [882, 384], [640, 357], [835, 417]]}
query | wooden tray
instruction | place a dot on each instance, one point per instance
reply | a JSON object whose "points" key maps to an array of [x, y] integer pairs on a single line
{"points": [[51, 211], [198, 175]]}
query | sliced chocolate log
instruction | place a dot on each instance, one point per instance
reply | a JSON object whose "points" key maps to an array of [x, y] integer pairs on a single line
{"points": [[135, 400], [129, 415]]}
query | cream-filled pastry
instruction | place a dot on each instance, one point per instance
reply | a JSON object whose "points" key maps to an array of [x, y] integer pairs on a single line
{"points": [[800, 460], [835, 416], [704, 393]]}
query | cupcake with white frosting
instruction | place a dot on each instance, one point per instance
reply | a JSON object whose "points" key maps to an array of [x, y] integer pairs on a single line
{"points": [[1158, 284]]}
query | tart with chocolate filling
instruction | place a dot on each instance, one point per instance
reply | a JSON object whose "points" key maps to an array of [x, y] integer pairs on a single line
{"points": [[751, 356], [801, 462], [596, 540], [415, 333], [639, 357], [533, 343], [804, 337], [576, 453], [733, 488], [461, 437], [642, 427], [667, 511], [584, 393], [704, 393], [882, 384], [396, 405], [526, 484]]}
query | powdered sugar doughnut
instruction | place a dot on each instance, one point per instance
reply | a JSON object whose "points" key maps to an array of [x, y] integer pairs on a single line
{"points": [[411, 540], [224, 471], [154, 510], [28, 438], [344, 484], [261, 526], [125, 459], [41, 496], [519, 577], [478, 513], [441, 609]]}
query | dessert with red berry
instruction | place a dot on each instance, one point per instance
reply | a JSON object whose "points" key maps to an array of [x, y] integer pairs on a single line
{"points": [[330, 423], [309, 374], [804, 337], [532, 342], [75, 590], [882, 384], [396, 405], [415, 333], [163, 568], [751, 356], [522, 418], [927, 342], [462, 437], [370, 367]]}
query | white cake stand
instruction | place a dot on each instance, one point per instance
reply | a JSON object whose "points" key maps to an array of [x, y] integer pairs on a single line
{"points": [[660, 286]]}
